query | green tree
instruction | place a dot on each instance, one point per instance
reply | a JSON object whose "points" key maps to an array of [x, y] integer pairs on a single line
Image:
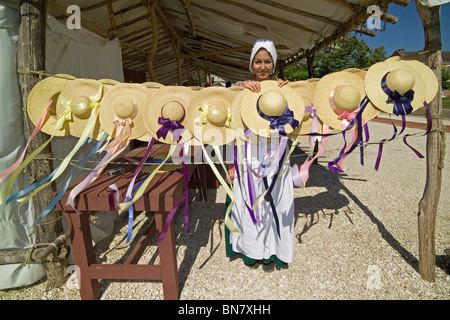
{"points": [[352, 53], [445, 79]]}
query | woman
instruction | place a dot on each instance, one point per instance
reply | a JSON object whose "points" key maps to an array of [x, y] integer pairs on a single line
{"points": [[260, 241]]}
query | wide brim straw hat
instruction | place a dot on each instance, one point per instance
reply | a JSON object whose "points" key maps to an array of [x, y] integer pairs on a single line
{"points": [[306, 90], [44, 91], [323, 91], [213, 106], [153, 85], [425, 73], [169, 102], [255, 122], [375, 92], [236, 115], [357, 71], [76, 92], [125, 100]]}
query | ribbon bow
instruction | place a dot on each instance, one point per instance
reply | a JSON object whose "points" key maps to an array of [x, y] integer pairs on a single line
{"points": [[278, 123], [166, 125], [402, 105]]}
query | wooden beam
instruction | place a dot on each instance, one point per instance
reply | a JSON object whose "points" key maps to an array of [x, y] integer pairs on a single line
{"points": [[187, 8], [428, 205], [152, 14], [269, 16], [31, 57]]}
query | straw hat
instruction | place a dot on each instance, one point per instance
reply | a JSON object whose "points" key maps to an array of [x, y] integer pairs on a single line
{"points": [[272, 102], [108, 84], [44, 91], [168, 103], [425, 73], [153, 85], [236, 115], [337, 97], [81, 94], [212, 107], [306, 90], [125, 101], [399, 77], [358, 72]]}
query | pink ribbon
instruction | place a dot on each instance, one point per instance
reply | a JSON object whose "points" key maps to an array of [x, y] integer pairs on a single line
{"points": [[113, 149], [38, 127], [301, 176]]}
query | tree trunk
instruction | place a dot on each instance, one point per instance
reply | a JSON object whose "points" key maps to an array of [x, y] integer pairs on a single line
{"points": [[435, 147], [31, 59]]}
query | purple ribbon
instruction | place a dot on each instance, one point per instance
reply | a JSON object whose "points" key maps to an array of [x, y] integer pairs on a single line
{"points": [[402, 105], [358, 140], [174, 126], [278, 123], [166, 125]]}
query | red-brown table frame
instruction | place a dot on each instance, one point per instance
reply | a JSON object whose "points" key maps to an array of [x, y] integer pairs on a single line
{"points": [[160, 196]]}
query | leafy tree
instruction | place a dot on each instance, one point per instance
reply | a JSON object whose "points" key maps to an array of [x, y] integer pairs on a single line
{"points": [[445, 79], [353, 53]]}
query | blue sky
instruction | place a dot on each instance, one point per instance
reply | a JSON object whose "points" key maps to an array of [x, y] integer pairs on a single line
{"points": [[408, 33]]}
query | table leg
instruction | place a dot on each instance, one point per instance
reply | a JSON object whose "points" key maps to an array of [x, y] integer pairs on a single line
{"points": [[168, 258], [83, 254]]}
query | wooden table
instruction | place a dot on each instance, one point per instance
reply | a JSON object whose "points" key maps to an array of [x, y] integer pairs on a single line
{"points": [[160, 196]]}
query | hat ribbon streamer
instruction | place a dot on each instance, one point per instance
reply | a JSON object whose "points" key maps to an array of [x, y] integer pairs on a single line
{"points": [[95, 106], [36, 130], [278, 122], [402, 103], [63, 190]]}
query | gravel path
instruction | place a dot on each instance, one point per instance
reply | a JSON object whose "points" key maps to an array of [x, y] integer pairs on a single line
{"points": [[356, 238]]}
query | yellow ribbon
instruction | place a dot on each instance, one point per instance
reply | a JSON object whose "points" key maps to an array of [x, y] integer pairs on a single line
{"points": [[124, 205], [202, 119], [95, 106]]}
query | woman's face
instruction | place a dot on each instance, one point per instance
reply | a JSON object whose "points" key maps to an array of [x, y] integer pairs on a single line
{"points": [[262, 65]]}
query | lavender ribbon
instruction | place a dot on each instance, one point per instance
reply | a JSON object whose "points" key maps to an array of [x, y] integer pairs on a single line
{"points": [[402, 103], [278, 123]]}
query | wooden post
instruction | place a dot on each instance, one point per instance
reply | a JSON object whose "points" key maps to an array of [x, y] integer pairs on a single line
{"points": [[152, 13], [435, 146], [31, 58]]}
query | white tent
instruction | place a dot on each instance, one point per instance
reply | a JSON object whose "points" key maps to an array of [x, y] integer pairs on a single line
{"points": [[78, 53]]}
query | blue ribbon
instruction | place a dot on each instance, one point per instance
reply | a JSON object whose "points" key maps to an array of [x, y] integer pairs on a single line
{"points": [[402, 103], [278, 123], [66, 185]]}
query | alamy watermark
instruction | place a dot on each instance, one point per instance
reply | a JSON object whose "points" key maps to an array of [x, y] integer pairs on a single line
{"points": [[374, 277], [374, 21], [74, 20]]}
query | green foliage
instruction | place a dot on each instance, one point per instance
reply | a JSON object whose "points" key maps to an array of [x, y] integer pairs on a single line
{"points": [[353, 53], [445, 79]]}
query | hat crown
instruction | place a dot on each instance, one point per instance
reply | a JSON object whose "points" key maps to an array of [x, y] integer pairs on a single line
{"points": [[272, 103], [173, 111], [81, 113], [400, 80], [217, 115], [125, 108], [346, 97]]}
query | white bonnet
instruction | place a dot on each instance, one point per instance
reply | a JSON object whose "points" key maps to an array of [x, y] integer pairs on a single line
{"points": [[269, 46]]}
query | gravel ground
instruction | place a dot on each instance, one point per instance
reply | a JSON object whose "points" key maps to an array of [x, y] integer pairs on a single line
{"points": [[356, 239]]}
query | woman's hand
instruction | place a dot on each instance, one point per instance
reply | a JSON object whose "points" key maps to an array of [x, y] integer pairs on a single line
{"points": [[282, 82], [253, 85]]}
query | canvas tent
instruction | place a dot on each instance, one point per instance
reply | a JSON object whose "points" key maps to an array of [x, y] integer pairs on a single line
{"points": [[169, 41]]}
